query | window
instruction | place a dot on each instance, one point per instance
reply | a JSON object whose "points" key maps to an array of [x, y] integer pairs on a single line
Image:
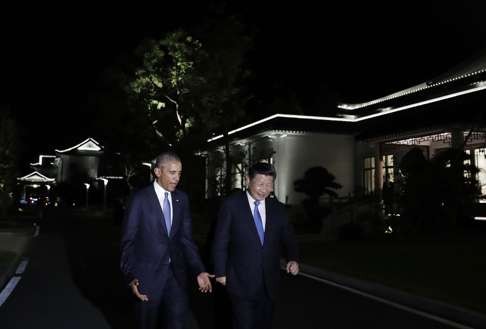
{"points": [[220, 173], [467, 164], [369, 175], [480, 157], [238, 176], [388, 169]]}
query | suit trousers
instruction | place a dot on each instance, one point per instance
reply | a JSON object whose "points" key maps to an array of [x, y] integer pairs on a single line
{"points": [[254, 313], [168, 308]]}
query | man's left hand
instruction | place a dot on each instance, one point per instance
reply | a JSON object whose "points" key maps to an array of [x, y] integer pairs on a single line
{"points": [[204, 282], [293, 267]]}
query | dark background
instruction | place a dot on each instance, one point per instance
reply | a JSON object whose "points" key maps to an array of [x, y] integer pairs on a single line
{"points": [[52, 56]]}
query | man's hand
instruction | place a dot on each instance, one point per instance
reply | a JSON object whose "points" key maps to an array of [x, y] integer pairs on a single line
{"points": [[134, 287], [293, 267], [222, 280], [204, 282]]}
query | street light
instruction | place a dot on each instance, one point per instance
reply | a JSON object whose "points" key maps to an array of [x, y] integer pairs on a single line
{"points": [[87, 188], [105, 182]]}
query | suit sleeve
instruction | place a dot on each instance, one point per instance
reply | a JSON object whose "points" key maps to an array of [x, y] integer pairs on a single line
{"points": [[288, 238], [221, 240], [129, 232], [190, 249]]}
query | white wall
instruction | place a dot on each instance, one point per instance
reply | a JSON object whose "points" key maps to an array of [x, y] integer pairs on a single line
{"points": [[297, 153]]}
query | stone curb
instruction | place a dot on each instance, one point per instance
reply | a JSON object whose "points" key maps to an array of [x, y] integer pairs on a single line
{"points": [[447, 311]]}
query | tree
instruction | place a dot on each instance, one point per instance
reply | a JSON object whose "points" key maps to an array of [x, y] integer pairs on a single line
{"points": [[316, 182], [8, 158], [164, 84], [437, 193], [188, 88], [127, 133], [173, 92], [226, 95]]}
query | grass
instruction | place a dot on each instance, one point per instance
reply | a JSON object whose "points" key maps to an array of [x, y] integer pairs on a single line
{"points": [[452, 270], [6, 259]]}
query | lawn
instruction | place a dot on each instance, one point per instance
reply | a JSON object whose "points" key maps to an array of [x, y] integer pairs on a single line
{"points": [[449, 269], [6, 260]]}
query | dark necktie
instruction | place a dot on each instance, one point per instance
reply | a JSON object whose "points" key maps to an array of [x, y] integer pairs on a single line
{"points": [[258, 222]]}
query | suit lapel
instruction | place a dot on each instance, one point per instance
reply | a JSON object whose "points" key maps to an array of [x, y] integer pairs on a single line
{"points": [[159, 214], [177, 209], [268, 219]]}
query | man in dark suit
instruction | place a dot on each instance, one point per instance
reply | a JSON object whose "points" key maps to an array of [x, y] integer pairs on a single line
{"points": [[250, 231], [157, 244]]}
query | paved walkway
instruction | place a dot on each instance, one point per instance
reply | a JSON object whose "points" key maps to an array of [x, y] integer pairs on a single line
{"points": [[49, 293], [53, 282]]}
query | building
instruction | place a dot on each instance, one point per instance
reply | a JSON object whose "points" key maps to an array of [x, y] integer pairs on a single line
{"points": [[79, 162], [363, 144], [72, 175]]}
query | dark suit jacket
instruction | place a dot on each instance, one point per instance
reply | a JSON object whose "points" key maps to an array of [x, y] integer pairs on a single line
{"points": [[146, 247], [238, 253]]}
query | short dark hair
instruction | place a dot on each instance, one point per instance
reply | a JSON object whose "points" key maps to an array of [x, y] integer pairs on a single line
{"points": [[165, 157], [262, 168]]}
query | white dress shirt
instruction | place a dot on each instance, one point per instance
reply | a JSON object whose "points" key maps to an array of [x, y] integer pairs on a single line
{"points": [[261, 208], [160, 191]]}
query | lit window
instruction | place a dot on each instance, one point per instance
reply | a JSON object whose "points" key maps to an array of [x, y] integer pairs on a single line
{"points": [[388, 168], [369, 175]]}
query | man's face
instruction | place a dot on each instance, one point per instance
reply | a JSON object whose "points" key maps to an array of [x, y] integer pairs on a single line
{"points": [[260, 186], [168, 174]]}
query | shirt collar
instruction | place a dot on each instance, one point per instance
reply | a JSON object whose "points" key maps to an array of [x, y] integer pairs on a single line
{"points": [[160, 191], [252, 200]]}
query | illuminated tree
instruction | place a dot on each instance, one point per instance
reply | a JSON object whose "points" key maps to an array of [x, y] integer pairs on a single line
{"points": [[188, 88], [166, 81], [174, 92]]}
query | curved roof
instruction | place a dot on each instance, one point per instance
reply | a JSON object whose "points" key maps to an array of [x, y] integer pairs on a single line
{"points": [[89, 145], [470, 68], [36, 177]]}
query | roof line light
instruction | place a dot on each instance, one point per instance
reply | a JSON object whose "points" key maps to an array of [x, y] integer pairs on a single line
{"points": [[39, 163], [479, 87], [87, 140], [429, 101], [408, 91]]}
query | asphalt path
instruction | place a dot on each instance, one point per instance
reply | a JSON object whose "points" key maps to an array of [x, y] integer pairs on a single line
{"points": [[73, 281]]}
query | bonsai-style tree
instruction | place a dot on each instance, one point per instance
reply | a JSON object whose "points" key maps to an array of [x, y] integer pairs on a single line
{"points": [[317, 181]]}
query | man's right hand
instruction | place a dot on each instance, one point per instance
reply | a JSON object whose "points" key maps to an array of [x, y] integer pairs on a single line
{"points": [[222, 280], [134, 287]]}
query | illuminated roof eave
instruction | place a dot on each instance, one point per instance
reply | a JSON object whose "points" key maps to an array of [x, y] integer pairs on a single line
{"points": [[39, 163], [477, 87], [38, 174], [405, 92], [288, 116], [356, 106], [87, 140]]}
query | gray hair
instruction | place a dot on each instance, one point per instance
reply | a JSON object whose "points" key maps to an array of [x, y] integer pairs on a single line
{"points": [[165, 157]]}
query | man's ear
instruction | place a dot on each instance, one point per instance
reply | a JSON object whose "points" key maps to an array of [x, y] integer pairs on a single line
{"points": [[157, 172], [247, 180]]}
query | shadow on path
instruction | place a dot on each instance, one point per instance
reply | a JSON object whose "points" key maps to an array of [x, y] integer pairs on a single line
{"points": [[93, 253]]}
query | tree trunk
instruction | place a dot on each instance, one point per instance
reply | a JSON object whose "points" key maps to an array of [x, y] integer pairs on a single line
{"points": [[228, 162]]}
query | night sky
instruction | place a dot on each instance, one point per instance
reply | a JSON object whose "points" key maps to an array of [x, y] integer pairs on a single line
{"points": [[51, 58]]}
